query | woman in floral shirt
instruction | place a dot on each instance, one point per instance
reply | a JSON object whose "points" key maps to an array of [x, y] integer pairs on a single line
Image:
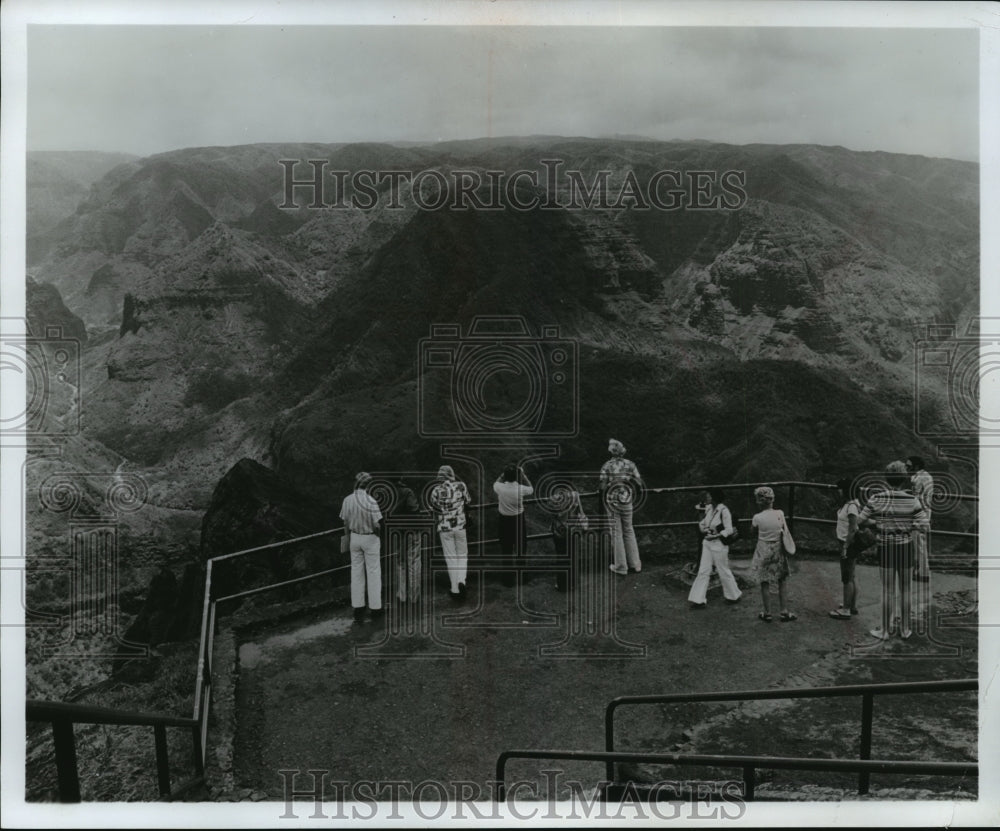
{"points": [[619, 477]]}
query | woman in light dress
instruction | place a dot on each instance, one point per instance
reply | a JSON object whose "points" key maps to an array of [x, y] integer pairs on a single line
{"points": [[770, 565]]}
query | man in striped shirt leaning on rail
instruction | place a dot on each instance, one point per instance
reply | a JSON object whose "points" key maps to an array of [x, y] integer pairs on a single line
{"points": [[361, 516], [897, 515]]}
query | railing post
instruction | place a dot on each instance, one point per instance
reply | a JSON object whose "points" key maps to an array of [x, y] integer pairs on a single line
{"points": [[65, 744], [791, 508], [162, 762], [749, 782], [867, 705], [609, 739], [199, 761], [500, 790]]}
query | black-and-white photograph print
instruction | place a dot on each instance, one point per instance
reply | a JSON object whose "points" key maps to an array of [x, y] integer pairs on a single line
{"points": [[499, 412]]}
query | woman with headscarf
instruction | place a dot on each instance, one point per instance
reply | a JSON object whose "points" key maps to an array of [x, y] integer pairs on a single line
{"points": [[716, 528], [770, 565], [619, 477]]}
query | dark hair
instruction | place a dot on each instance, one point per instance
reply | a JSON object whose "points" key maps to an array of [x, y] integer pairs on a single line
{"points": [[916, 462], [509, 473], [718, 495], [845, 488]]}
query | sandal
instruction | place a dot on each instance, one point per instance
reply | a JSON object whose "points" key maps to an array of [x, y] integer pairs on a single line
{"points": [[787, 616], [765, 616]]}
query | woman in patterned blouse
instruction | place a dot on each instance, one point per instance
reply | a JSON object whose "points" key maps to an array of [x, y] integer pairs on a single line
{"points": [[619, 477]]}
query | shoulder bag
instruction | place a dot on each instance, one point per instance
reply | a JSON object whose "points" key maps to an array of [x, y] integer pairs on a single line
{"points": [[786, 537]]}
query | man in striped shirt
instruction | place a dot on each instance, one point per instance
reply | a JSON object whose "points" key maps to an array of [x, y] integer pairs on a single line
{"points": [[361, 516], [897, 515]]}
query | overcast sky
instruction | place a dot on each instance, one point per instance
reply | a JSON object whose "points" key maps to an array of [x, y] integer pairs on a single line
{"points": [[146, 89]]}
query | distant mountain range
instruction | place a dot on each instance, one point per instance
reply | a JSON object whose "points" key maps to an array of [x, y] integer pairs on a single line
{"points": [[768, 341]]}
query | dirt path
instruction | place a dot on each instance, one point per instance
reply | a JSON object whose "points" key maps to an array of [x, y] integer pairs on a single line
{"points": [[306, 700]]}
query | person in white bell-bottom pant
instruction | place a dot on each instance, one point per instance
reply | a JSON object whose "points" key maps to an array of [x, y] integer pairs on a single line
{"points": [[716, 526]]}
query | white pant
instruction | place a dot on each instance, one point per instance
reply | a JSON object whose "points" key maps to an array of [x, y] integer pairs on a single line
{"points": [[624, 545], [456, 556], [714, 553], [366, 550]]}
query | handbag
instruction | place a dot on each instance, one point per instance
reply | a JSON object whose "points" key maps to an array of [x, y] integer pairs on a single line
{"points": [[786, 537], [731, 537], [864, 538], [345, 543]]}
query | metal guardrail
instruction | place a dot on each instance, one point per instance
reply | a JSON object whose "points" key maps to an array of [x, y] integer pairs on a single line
{"points": [[64, 716], [867, 692], [749, 764], [203, 680]]}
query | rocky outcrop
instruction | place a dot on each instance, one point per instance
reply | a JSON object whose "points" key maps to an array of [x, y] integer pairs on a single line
{"points": [[252, 506], [46, 311]]}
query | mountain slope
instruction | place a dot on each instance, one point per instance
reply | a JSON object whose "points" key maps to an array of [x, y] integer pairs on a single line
{"points": [[222, 326]]}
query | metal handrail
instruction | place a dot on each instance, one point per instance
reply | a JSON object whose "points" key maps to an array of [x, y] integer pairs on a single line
{"points": [[589, 494], [866, 691], [749, 764], [63, 716]]}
